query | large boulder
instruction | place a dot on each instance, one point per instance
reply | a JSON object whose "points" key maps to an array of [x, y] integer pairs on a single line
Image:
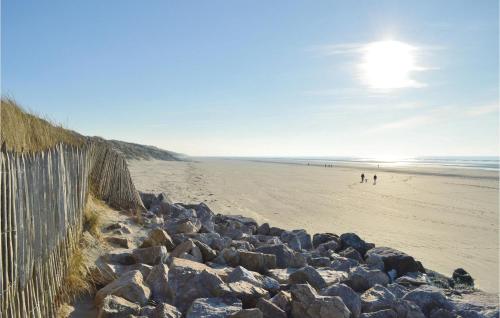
{"points": [[190, 280], [248, 313], [394, 259], [285, 257], [362, 278], [461, 277], [164, 310], [350, 298], [129, 286], [206, 251], [204, 214], [248, 293], [176, 226], [113, 306], [354, 241], [270, 310], [318, 278], [254, 278], [258, 262], [214, 307], [377, 298], [320, 238], [283, 300], [150, 255], [307, 304], [188, 250], [300, 239], [158, 237], [352, 254], [428, 298], [157, 280]]}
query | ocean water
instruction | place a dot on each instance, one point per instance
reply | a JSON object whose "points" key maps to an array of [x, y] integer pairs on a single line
{"points": [[471, 162]]}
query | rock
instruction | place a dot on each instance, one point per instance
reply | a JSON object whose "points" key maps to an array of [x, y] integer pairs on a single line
{"points": [[270, 310], [147, 311], [282, 275], [104, 273], [158, 237], [377, 298], [344, 264], [412, 279], [189, 250], [428, 298], [350, 298], [461, 277], [441, 313], [206, 251], [228, 256], [285, 257], [309, 275], [189, 280], [254, 278], [114, 307], [256, 261], [354, 241], [386, 313], [326, 248], [361, 278], [150, 255], [205, 215], [213, 308], [374, 261], [248, 293], [242, 245], [397, 290], [129, 286], [248, 313], [283, 300], [183, 226], [147, 199], [351, 253], [118, 241], [263, 229], [307, 304], [117, 226], [119, 257], [394, 259], [157, 281], [320, 238], [165, 310], [297, 239], [319, 261], [275, 231]]}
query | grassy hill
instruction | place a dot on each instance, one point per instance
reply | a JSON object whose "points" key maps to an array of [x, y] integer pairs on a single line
{"points": [[136, 151]]}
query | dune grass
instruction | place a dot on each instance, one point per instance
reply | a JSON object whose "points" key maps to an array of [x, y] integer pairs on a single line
{"points": [[21, 131], [91, 219]]}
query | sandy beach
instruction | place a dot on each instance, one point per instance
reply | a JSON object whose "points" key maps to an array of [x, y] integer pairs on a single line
{"points": [[445, 217]]}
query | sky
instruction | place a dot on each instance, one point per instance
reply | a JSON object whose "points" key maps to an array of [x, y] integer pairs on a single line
{"points": [[383, 79]]}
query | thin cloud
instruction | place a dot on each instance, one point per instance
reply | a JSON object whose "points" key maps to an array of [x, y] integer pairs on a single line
{"points": [[482, 110], [410, 122]]}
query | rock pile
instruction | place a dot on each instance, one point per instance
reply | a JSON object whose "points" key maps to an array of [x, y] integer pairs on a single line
{"points": [[194, 263]]}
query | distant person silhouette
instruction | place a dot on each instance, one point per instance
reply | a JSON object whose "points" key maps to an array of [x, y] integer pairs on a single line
{"points": [[375, 179], [362, 177]]}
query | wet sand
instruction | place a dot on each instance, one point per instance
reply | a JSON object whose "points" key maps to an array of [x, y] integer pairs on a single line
{"points": [[445, 217]]}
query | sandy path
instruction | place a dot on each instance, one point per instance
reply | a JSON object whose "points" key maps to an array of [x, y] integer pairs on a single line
{"points": [[444, 221]]}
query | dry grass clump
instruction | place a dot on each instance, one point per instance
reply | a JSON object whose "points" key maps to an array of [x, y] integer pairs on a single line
{"points": [[91, 218], [21, 131], [76, 281]]}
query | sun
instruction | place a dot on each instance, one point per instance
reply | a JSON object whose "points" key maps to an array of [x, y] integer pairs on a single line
{"points": [[388, 65]]}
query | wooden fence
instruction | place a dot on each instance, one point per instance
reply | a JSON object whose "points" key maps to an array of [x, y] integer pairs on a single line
{"points": [[42, 201]]}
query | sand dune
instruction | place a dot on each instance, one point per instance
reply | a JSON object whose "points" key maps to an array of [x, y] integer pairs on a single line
{"points": [[447, 218]]}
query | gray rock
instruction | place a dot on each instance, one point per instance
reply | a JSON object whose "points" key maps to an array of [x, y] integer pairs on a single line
{"points": [[275, 231], [374, 261], [352, 253], [377, 298], [428, 298], [150, 255], [319, 261], [183, 226], [257, 261], [248, 293], [283, 300], [248, 313], [350, 298], [461, 277], [344, 264], [354, 241], [206, 251], [205, 215], [394, 259], [300, 239], [129, 286], [285, 257], [119, 257], [189, 250], [157, 281], [118, 241], [242, 274], [165, 310], [386, 313], [320, 238], [309, 275], [158, 237], [213, 308], [325, 249], [263, 229], [270, 310], [361, 278], [282, 275], [115, 307], [307, 304]]}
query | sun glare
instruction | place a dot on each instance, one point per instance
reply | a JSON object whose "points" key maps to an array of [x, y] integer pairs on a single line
{"points": [[388, 64]]}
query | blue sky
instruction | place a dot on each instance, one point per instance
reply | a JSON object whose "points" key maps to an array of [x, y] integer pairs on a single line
{"points": [[286, 78]]}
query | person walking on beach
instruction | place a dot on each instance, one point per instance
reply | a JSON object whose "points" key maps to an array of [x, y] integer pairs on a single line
{"points": [[374, 179], [362, 177]]}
